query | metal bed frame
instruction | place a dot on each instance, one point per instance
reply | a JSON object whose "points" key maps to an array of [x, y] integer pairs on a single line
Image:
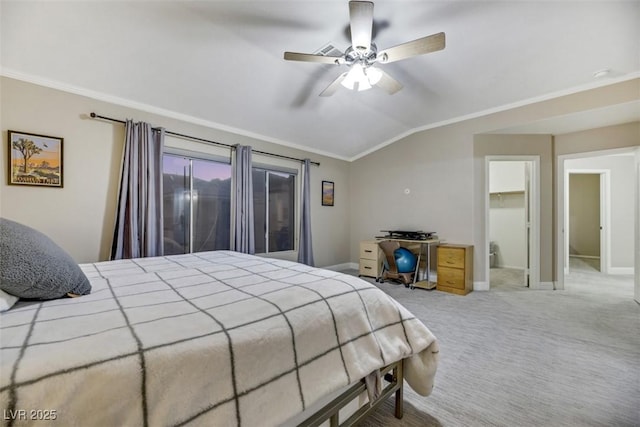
{"points": [[392, 373]]}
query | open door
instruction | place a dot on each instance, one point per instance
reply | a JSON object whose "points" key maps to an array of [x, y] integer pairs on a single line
{"points": [[527, 222], [636, 291]]}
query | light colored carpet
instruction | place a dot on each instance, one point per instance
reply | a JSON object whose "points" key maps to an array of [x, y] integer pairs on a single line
{"points": [[528, 357], [584, 264], [501, 278]]}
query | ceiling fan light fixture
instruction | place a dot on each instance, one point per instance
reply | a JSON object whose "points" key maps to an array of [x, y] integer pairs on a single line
{"points": [[363, 54], [361, 78], [374, 75], [356, 79]]}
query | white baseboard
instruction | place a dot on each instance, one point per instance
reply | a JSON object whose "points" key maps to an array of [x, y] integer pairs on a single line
{"points": [[584, 256], [484, 286], [342, 267], [544, 286], [510, 266], [480, 286], [620, 270]]}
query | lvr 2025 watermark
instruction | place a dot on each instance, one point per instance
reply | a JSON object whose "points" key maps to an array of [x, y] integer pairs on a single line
{"points": [[30, 414]]}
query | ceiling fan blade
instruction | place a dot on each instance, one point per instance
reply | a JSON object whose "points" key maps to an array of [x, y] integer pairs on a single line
{"points": [[361, 18], [309, 57], [420, 46], [333, 87], [388, 83]]}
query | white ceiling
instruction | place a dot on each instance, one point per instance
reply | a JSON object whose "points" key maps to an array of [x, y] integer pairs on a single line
{"points": [[221, 63]]}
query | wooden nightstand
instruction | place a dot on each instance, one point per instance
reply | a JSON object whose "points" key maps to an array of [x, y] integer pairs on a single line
{"points": [[370, 259], [455, 268]]}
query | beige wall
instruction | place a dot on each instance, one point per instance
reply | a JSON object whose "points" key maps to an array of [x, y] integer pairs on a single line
{"points": [[595, 140], [434, 167], [80, 216], [636, 292]]}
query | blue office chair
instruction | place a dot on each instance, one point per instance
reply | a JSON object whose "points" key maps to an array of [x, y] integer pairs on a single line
{"points": [[390, 269]]}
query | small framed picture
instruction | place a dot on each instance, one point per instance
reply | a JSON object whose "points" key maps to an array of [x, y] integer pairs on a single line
{"points": [[327, 193], [35, 159]]}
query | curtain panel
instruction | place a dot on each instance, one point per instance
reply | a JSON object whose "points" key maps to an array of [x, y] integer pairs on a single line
{"points": [[139, 220], [305, 248], [244, 235]]}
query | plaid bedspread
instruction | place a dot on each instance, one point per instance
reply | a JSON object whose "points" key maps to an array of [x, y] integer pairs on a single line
{"points": [[213, 339]]}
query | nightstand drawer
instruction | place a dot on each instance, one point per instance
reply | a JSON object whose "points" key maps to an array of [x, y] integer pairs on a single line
{"points": [[451, 277], [451, 257], [369, 267], [369, 250]]}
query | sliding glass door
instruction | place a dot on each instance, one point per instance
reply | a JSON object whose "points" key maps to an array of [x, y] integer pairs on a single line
{"points": [[197, 195], [273, 206], [197, 206]]}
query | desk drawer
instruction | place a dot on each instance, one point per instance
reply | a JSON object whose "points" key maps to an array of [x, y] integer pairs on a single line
{"points": [[369, 250], [451, 277], [451, 257], [369, 267]]}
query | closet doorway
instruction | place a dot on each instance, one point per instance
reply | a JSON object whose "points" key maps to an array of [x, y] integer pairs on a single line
{"points": [[512, 222]]}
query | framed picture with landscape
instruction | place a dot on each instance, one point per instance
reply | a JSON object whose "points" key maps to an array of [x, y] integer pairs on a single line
{"points": [[327, 193], [35, 159]]}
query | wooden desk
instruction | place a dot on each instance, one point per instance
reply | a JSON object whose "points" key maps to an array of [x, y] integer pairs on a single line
{"points": [[424, 246]]}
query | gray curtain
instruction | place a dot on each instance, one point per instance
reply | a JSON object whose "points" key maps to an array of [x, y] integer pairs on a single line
{"points": [[305, 248], [244, 236], [139, 221]]}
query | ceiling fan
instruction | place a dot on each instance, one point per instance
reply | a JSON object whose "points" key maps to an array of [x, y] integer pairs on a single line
{"points": [[361, 56]]}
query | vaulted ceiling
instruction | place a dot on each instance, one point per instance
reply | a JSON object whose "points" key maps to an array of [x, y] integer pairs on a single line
{"points": [[221, 62]]}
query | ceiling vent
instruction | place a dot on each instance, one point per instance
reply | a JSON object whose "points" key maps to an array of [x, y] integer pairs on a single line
{"points": [[329, 50]]}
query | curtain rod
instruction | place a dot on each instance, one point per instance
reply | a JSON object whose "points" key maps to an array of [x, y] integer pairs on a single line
{"points": [[195, 138]]}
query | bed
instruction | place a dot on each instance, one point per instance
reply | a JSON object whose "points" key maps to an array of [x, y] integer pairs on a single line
{"points": [[213, 338]]}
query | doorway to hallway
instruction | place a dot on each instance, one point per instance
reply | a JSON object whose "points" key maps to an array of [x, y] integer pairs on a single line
{"points": [[619, 176], [587, 194]]}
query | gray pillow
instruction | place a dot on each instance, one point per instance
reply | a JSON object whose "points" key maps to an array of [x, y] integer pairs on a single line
{"points": [[33, 266]]}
